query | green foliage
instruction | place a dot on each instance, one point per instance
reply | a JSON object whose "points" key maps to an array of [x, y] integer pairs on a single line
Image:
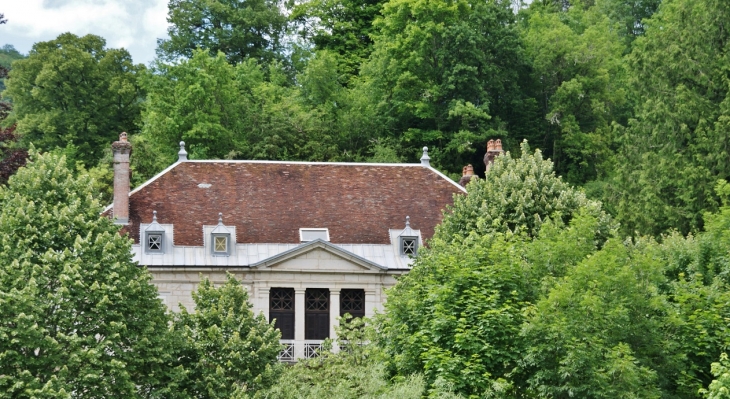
{"points": [[79, 318], [343, 27], [225, 349], [445, 74], [720, 387], [672, 153], [579, 75], [356, 371], [599, 331], [517, 195], [72, 91], [457, 316], [8, 54], [250, 29]]}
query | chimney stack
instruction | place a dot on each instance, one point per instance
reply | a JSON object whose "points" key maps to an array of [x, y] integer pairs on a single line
{"points": [[494, 149], [467, 173], [121, 150]]}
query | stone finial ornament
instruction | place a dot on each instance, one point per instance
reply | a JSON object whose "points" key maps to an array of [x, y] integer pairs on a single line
{"points": [[182, 155], [425, 159]]}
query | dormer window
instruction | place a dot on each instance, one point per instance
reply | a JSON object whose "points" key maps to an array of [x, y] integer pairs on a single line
{"points": [[154, 237], [311, 234], [220, 239], [409, 246], [408, 240]]}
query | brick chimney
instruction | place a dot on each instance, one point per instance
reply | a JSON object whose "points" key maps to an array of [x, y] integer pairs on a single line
{"points": [[467, 173], [494, 149], [121, 150]]}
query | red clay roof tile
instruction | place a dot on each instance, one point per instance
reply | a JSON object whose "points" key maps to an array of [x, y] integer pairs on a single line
{"points": [[269, 202]]}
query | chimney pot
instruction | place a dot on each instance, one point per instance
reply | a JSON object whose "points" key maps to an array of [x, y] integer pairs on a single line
{"points": [[467, 173], [494, 149], [121, 150]]}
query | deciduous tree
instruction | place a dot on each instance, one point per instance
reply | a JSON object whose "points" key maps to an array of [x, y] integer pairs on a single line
{"points": [[74, 92], [78, 318], [241, 29], [226, 350]]}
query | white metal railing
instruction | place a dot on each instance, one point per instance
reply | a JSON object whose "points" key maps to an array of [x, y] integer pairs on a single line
{"points": [[294, 350]]}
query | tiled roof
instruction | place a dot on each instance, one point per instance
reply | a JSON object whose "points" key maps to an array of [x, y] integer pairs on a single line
{"points": [[269, 202]]}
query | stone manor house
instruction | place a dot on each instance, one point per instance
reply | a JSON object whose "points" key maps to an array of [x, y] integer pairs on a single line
{"points": [[310, 241]]}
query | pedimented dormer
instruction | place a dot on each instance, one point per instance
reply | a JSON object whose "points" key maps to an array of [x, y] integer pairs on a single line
{"points": [[156, 238], [220, 240]]}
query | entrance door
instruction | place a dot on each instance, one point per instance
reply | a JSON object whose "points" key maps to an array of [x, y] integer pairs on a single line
{"points": [[281, 308], [317, 313]]}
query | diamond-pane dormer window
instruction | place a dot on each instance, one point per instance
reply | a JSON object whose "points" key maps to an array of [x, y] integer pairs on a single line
{"points": [[408, 240], [409, 245], [220, 244], [154, 237], [220, 239], [154, 242]]}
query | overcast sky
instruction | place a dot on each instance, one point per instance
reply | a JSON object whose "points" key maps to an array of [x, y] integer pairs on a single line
{"points": [[132, 24]]}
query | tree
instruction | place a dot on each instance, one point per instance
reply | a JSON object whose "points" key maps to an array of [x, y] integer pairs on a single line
{"points": [[517, 195], [599, 332], [79, 317], [456, 316], [225, 349], [8, 54], [236, 112], [720, 387], [74, 93], [445, 74], [241, 29], [2, 19], [579, 78], [672, 153], [343, 27], [356, 371]]}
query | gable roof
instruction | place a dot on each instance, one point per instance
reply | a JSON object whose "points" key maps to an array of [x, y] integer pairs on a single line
{"points": [[269, 201]]}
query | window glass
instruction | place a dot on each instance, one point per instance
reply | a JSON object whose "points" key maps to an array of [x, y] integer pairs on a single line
{"points": [[220, 244], [409, 245], [313, 234], [154, 242]]}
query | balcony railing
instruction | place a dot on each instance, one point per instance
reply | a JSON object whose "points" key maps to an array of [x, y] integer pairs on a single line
{"points": [[295, 350]]}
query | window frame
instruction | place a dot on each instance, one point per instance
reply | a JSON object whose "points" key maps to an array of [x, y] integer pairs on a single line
{"points": [[303, 229], [403, 240], [227, 237]]}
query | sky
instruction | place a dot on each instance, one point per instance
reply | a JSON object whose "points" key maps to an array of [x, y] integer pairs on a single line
{"points": [[133, 24]]}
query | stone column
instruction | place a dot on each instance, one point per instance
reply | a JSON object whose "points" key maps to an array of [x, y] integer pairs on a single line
{"points": [[334, 311], [121, 150], [262, 304], [299, 321], [370, 303]]}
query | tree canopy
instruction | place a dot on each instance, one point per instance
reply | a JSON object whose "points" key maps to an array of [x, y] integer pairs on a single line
{"points": [[79, 318], [72, 92], [241, 29]]}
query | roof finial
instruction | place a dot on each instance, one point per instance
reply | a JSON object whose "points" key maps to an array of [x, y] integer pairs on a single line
{"points": [[425, 159], [182, 155], [154, 216], [408, 221], [220, 218]]}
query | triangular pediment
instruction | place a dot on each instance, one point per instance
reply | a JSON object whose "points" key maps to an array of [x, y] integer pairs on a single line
{"points": [[319, 256]]}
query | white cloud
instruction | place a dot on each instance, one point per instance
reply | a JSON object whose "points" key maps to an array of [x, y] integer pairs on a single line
{"points": [[133, 24]]}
